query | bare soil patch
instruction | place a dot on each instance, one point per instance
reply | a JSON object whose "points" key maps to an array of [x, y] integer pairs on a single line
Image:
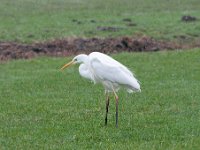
{"points": [[73, 46], [188, 18]]}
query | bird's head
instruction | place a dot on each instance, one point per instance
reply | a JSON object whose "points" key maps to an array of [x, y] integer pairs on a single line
{"points": [[82, 58]]}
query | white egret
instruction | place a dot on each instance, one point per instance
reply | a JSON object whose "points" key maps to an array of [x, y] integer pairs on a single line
{"points": [[101, 68]]}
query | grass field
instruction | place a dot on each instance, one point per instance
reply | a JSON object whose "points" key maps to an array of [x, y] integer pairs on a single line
{"points": [[44, 108], [29, 21]]}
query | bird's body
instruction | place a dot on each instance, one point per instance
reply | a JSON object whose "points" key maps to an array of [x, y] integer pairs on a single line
{"points": [[101, 68]]}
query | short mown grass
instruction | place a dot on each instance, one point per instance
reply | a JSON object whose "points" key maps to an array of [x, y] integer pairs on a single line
{"points": [[44, 108], [39, 20]]}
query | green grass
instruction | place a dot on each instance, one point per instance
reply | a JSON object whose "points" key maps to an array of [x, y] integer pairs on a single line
{"points": [[30, 21], [43, 108]]}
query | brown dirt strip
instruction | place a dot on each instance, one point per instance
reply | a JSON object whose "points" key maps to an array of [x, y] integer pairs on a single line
{"points": [[73, 46]]}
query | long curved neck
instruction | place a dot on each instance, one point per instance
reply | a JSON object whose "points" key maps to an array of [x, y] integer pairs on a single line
{"points": [[84, 71]]}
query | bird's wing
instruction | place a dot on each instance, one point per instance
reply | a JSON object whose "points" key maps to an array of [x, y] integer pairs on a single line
{"points": [[105, 59], [113, 73]]}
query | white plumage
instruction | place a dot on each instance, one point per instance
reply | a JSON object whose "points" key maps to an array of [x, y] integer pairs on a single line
{"points": [[101, 68], [85, 72]]}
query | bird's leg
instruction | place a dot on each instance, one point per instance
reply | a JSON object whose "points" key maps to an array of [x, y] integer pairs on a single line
{"points": [[107, 106], [117, 99], [116, 111]]}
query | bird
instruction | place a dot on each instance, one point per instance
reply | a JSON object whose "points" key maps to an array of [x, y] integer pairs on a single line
{"points": [[113, 75]]}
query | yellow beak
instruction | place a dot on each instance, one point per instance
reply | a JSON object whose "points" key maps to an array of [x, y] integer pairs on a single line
{"points": [[67, 65]]}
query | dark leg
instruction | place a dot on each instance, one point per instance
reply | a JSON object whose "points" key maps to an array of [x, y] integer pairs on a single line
{"points": [[117, 99], [107, 106], [116, 110]]}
